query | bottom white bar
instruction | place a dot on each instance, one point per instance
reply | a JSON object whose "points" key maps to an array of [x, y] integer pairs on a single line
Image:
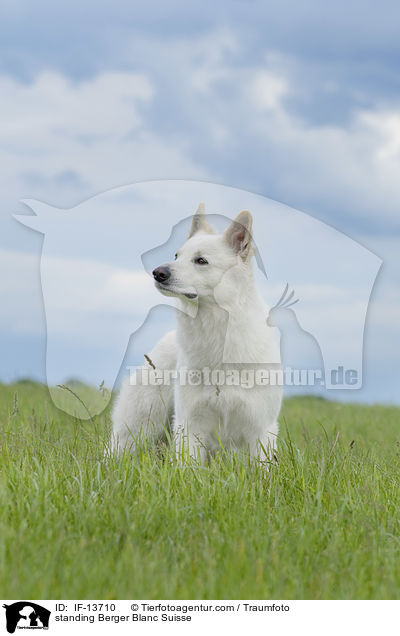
{"points": [[166, 617]]}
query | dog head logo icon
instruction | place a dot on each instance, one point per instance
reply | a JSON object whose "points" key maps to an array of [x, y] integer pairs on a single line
{"points": [[27, 615]]}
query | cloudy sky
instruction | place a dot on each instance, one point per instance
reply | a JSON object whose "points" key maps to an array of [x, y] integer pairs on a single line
{"points": [[297, 101]]}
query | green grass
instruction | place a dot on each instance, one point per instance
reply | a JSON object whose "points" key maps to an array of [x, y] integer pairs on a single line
{"points": [[323, 523]]}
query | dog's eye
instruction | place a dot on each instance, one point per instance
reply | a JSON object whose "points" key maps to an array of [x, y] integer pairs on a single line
{"points": [[201, 261], [176, 256]]}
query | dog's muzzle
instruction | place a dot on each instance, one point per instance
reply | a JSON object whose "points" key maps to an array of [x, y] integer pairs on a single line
{"points": [[161, 274]]}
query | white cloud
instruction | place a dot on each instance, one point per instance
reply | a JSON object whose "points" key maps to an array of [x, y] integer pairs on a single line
{"points": [[54, 105], [84, 292], [21, 304], [386, 125], [237, 120], [91, 133], [267, 90], [206, 117]]}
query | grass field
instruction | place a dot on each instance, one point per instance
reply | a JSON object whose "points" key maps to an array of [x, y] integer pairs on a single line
{"points": [[324, 523]]}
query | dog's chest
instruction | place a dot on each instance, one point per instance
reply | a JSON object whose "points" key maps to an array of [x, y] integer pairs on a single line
{"points": [[221, 413], [201, 340]]}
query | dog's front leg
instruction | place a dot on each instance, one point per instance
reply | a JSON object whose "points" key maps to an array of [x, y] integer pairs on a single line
{"points": [[189, 444], [262, 446], [189, 426]]}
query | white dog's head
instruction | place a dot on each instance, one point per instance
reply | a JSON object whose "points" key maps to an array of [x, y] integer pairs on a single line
{"points": [[206, 256]]}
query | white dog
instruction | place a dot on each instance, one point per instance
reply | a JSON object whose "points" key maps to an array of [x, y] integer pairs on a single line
{"points": [[222, 334]]}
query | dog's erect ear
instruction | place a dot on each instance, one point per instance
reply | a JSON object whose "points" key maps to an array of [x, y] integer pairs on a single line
{"points": [[200, 222], [238, 234]]}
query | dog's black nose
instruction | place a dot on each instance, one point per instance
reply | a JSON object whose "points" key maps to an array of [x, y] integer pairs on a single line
{"points": [[161, 274]]}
